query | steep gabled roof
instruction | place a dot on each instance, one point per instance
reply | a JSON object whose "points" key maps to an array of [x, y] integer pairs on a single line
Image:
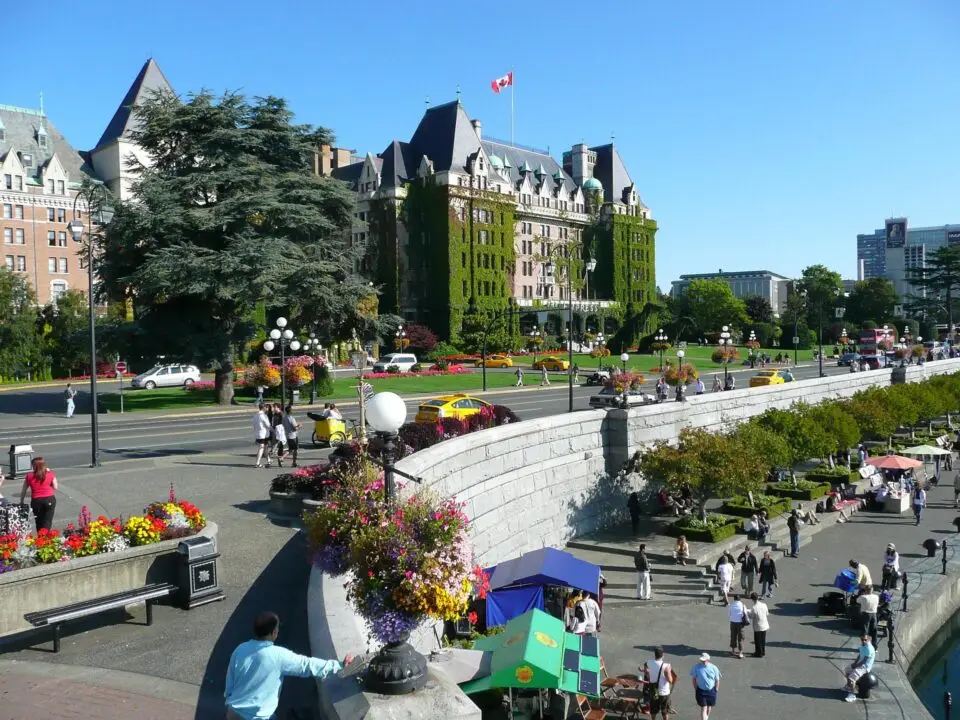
{"points": [[517, 158], [20, 136], [398, 164], [611, 173], [149, 80], [446, 136]]}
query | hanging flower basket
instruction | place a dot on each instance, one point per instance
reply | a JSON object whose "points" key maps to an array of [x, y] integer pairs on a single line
{"points": [[621, 381], [725, 355], [683, 374]]}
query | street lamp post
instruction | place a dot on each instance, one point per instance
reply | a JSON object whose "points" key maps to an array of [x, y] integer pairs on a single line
{"points": [[624, 357], [534, 338], [680, 354], [97, 199], [661, 338], [282, 337], [725, 340], [401, 336], [600, 339], [313, 348]]}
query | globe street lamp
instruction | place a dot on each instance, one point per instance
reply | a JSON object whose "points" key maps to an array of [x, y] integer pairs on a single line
{"points": [[96, 197], [282, 337], [661, 338], [401, 340], [725, 341], [624, 357], [600, 339], [313, 348], [680, 378], [534, 336]]}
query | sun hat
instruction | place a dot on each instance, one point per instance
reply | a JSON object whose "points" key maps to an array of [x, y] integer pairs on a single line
{"points": [[704, 657]]}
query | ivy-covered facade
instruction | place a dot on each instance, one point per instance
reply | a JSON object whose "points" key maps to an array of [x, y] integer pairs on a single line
{"points": [[462, 230]]}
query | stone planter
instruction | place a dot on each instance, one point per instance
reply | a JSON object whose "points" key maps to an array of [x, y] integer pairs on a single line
{"points": [[311, 504], [48, 586], [287, 504]]}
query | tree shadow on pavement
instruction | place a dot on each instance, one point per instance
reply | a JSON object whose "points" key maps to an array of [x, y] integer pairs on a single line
{"points": [[677, 651], [810, 692], [796, 609], [281, 588]]}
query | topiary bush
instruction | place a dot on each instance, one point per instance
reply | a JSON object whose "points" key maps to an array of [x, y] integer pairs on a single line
{"points": [[716, 528], [802, 490], [741, 507]]}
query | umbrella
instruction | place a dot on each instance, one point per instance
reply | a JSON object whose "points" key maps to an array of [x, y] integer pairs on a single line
{"points": [[535, 651], [894, 462], [925, 450]]}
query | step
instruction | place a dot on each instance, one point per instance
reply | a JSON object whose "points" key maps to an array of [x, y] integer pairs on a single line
{"points": [[660, 598], [620, 551]]}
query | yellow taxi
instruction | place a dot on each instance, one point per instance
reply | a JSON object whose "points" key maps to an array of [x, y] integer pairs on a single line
{"points": [[767, 377], [551, 363], [446, 406], [495, 361]]}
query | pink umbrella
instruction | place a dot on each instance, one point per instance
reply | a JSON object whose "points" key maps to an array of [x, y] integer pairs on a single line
{"points": [[894, 462]]}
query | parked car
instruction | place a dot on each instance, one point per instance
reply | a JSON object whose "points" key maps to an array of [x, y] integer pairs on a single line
{"points": [[551, 363], [456, 406], [404, 361], [767, 377], [597, 378], [848, 359], [610, 398], [495, 361], [167, 376], [875, 362]]}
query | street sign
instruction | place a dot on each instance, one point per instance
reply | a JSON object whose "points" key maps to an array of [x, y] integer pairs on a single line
{"points": [[796, 340], [682, 345], [120, 367]]}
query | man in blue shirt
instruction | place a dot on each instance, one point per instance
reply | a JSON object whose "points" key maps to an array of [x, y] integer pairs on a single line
{"points": [[257, 668], [860, 667], [706, 684]]}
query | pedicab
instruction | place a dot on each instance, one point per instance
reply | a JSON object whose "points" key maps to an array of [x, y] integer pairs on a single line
{"points": [[331, 432]]}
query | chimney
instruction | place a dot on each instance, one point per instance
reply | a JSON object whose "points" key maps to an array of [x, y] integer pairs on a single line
{"points": [[577, 163], [478, 127]]}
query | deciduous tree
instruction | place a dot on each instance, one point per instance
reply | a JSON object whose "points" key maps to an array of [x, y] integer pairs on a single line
{"points": [[758, 309], [711, 304], [872, 299]]}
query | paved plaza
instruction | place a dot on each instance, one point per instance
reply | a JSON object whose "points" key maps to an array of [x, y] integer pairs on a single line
{"points": [[801, 674]]}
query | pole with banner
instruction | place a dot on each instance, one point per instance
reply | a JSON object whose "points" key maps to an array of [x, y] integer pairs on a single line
{"points": [[364, 391], [120, 368]]}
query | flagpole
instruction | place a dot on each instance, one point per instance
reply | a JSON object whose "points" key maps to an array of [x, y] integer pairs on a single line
{"points": [[513, 85]]}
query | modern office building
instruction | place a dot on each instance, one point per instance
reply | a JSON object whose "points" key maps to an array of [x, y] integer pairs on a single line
{"points": [[455, 221], [745, 283], [891, 250]]}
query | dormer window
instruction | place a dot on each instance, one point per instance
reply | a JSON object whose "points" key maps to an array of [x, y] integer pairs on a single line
{"points": [[25, 158], [42, 140]]}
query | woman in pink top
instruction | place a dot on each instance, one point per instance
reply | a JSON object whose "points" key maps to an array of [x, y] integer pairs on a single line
{"points": [[43, 488]]}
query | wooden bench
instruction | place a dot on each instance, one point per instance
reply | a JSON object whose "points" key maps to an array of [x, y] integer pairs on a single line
{"points": [[55, 617]]}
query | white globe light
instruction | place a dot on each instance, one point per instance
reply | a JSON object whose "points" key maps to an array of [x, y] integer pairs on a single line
{"points": [[295, 345], [680, 354], [287, 334], [624, 357], [281, 322], [386, 412], [275, 334], [725, 328], [268, 345]]}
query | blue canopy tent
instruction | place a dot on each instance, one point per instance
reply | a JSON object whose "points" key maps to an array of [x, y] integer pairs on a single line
{"points": [[516, 586]]}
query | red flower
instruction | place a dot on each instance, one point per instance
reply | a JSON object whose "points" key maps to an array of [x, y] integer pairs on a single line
{"points": [[472, 617]]}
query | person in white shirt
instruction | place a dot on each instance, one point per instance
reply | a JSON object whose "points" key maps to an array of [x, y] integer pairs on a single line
{"points": [[919, 502], [869, 602], [758, 616], [725, 577], [891, 568], [335, 413], [261, 434], [591, 611], [659, 673], [736, 614]]}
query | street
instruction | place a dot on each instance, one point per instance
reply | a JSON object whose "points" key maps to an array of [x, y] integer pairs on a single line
{"points": [[35, 417]]}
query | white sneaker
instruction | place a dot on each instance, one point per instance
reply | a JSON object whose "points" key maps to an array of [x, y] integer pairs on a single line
{"points": [[850, 697]]}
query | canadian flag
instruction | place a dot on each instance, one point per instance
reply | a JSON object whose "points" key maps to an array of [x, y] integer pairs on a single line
{"points": [[503, 82]]}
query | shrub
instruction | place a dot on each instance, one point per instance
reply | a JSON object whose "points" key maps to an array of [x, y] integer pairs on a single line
{"points": [[443, 350], [393, 369], [740, 505], [803, 490], [419, 436], [836, 475], [324, 381], [715, 529], [416, 367], [601, 352]]}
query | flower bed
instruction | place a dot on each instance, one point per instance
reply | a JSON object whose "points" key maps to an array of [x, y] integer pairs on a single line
{"points": [[716, 528], [168, 520], [208, 385], [451, 370], [802, 490], [740, 506], [418, 436]]}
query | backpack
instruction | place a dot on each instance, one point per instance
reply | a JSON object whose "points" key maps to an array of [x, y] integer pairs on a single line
{"points": [[579, 613]]}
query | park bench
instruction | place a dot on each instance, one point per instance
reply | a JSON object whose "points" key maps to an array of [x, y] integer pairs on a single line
{"points": [[55, 617]]}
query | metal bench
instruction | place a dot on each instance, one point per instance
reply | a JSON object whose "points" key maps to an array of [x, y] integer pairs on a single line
{"points": [[55, 617]]}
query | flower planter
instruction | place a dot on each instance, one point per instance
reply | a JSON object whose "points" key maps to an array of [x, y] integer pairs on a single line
{"points": [[287, 504], [309, 504], [48, 586], [746, 510], [711, 535], [799, 494]]}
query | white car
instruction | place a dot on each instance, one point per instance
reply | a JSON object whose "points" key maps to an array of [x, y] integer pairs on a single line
{"points": [[167, 376], [404, 361]]}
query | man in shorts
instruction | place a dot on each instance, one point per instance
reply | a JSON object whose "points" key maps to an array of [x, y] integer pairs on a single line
{"points": [[706, 684], [659, 676], [860, 667]]}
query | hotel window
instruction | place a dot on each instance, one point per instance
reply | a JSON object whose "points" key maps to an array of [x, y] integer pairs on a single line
{"points": [[52, 238], [19, 212], [18, 182], [21, 263], [8, 236], [51, 265], [19, 236], [51, 213], [63, 265], [9, 260], [57, 289], [7, 211], [51, 186], [62, 239], [8, 182]]}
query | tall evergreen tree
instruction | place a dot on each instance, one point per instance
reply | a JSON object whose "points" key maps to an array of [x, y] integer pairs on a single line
{"points": [[936, 285], [227, 215]]}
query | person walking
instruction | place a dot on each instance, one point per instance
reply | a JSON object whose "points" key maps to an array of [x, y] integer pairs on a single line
{"points": [[767, 570], [919, 502], [279, 434], [759, 618], [591, 611], [717, 385], [640, 561], [891, 568], [661, 677], [956, 490], [42, 484], [544, 378], [869, 602], [261, 435], [700, 388], [793, 525], [706, 684], [291, 428], [70, 396], [257, 668], [860, 667], [736, 615], [725, 576], [748, 569], [519, 374], [633, 505]]}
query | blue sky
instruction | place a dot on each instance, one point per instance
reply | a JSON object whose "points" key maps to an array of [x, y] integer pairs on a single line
{"points": [[763, 134]]}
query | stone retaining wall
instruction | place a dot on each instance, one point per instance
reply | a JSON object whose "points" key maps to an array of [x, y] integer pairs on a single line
{"points": [[48, 586]]}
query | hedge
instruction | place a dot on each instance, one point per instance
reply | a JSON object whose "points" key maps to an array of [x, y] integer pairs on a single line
{"points": [[711, 534], [741, 507], [834, 476], [805, 490]]}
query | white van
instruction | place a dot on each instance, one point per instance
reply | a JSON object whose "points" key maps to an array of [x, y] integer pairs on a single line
{"points": [[404, 361], [167, 376]]}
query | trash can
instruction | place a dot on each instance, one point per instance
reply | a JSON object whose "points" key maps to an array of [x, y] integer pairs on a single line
{"points": [[294, 397], [199, 583], [21, 457]]}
